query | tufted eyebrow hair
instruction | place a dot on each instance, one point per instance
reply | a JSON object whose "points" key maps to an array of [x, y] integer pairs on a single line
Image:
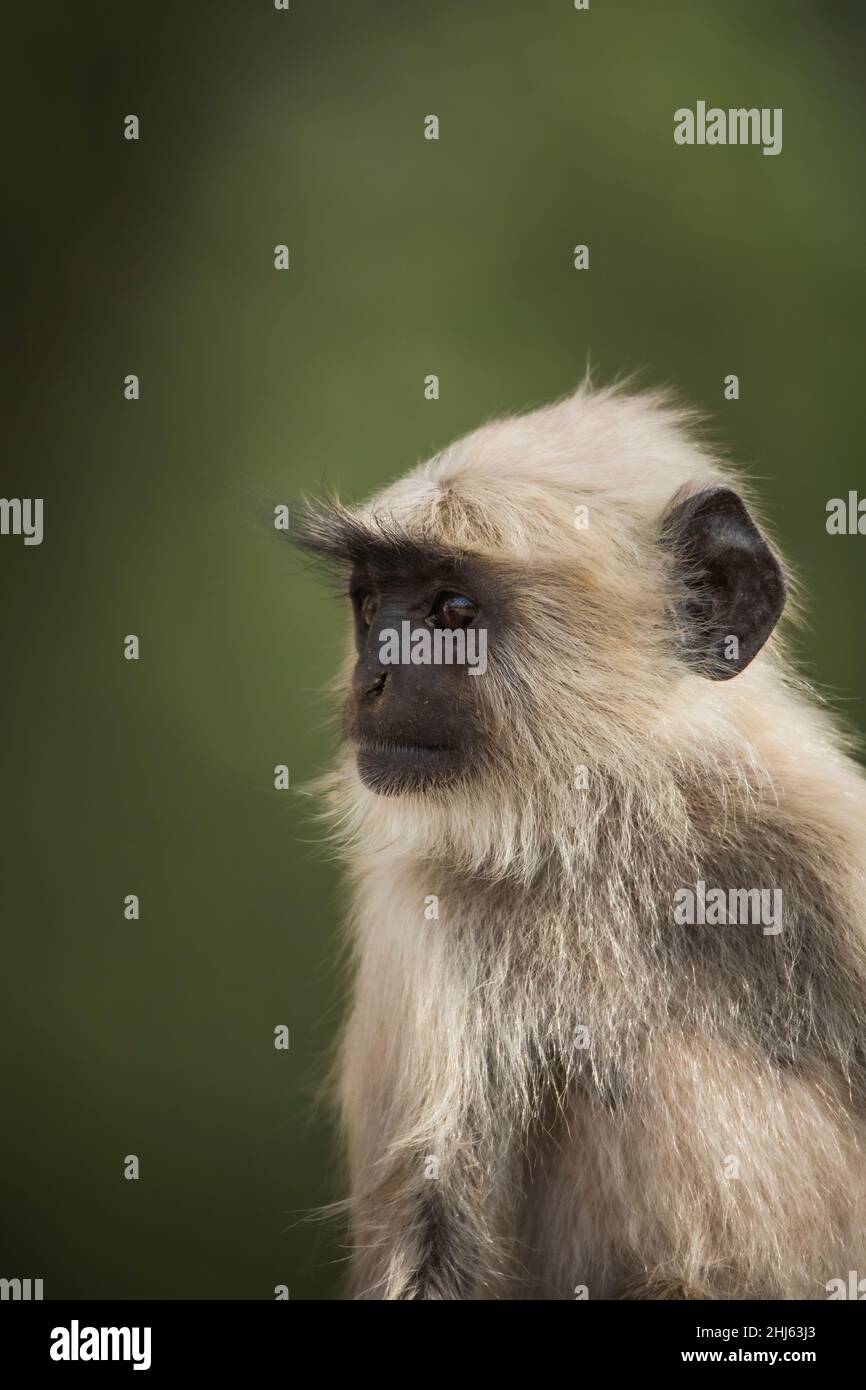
{"points": [[333, 533]]}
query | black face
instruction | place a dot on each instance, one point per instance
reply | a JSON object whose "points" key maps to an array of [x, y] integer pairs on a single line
{"points": [[414, 723]]}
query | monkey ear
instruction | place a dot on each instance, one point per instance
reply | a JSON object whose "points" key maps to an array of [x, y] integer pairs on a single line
{"points": [[731, 590]]}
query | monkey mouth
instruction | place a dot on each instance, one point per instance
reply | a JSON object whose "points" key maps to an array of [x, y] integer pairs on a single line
{"points": [[390, 766]]}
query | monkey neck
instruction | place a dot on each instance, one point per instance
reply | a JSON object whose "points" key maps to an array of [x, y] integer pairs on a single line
{"points": [[533, 918], [772, 798]]}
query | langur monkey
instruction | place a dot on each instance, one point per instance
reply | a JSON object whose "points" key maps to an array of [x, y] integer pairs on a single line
{"points": [[557, 1081]]}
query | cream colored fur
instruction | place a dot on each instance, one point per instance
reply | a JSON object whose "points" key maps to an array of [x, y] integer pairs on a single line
{"points": [[608, 1165]]}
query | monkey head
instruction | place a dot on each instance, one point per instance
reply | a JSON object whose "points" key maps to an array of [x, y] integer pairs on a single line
{"points": [[564, 590]]}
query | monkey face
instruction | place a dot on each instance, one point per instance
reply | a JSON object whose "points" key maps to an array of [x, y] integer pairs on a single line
{"points": [[617, 578], [411, 712]]}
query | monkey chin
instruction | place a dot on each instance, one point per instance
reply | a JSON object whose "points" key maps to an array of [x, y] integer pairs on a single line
{"points": [[399, 769]]}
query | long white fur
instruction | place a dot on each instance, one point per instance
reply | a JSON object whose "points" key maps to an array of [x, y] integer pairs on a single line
{"points": [[609, 1166]]}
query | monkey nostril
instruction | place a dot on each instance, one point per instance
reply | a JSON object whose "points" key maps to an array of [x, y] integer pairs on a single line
{"points": [[377, 686]]}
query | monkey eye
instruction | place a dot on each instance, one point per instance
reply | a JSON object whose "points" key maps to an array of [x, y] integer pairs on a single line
{"points": [[453, 610], [367, 605]]}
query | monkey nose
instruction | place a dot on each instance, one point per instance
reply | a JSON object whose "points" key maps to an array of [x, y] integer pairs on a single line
{"points": [[375, 688]]}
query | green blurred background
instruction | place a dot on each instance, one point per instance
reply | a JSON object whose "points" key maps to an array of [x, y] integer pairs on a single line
{"points": [[407, 257]]}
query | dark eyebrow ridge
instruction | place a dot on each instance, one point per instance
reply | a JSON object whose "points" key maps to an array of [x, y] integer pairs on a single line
{"points": [[335, 534]]}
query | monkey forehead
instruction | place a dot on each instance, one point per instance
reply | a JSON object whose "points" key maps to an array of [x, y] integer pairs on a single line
{"points": [[515, 484], [480, 515]]}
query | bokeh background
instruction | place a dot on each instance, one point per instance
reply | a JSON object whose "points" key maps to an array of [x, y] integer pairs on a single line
{"points": [[408, 257]]}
